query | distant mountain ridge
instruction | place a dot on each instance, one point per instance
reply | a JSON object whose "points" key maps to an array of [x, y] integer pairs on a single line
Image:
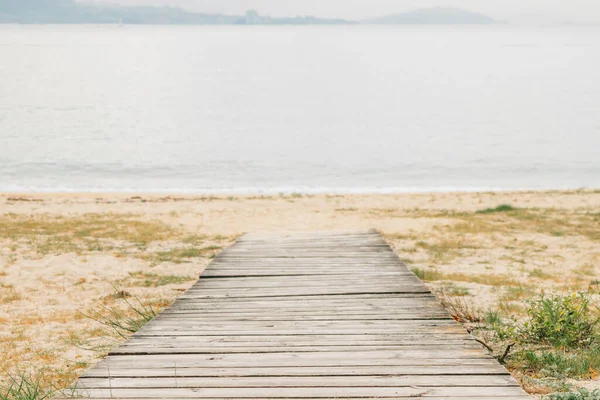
{"points": [[70, 12], [435, 16]]}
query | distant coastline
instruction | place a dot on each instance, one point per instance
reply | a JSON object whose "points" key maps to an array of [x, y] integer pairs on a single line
{"points": [[70, 12]]}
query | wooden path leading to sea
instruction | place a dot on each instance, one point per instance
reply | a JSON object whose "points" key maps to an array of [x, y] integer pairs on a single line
{"points": [[308, 316]]}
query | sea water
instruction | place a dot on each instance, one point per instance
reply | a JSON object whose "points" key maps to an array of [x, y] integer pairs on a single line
{"points": [[298, 109]]}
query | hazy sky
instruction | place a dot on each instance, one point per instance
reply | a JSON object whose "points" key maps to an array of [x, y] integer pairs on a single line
{"points": [[519, 11]]}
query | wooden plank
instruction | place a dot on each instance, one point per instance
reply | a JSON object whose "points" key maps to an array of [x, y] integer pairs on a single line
{"points": [[387, 370], [304, 280], [114, 363], [368, 298], [331, 312], [308, 316], [384, 357], [303, 317], [301, 326], [300, 381], [284, 305], [299, 291], [304, 340], [228, 349], [300, 273], [309, 306], [306, 393], [484, 397]]}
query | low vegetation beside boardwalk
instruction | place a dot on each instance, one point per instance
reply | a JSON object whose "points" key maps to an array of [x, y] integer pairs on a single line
{"points": [[524, 282], [520, 270], [95, 280]]}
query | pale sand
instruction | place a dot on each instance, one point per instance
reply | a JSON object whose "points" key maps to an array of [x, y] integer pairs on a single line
{"points": [[44, 291]]}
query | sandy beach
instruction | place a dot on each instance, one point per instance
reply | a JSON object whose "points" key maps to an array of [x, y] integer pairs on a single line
{"points": [[66, 260]]}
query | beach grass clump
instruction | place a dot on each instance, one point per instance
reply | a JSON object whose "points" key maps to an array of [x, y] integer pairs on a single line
{"points": [[35, 383], [461, 308], [499, 209], [148, 279], [181, 254], [556, 340], [474, 226], [9, 294], [539, 274], [517, 292], [550, 222], [579, 394], [88, 232], [194, 240], [445, 250], [558, 364], [498, 280], [99, 226], [125, 318], [456, 291], [26, 386], [561, 321], [427, 274]]}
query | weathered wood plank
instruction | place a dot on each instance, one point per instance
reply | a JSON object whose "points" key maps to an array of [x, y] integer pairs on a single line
{"points": [[304, 340], [252, 282], [387, 370], [228, 349], [299, 291], [301, 381], [368, 299], [303, 317], [485, 396], [373, 357], [310, 393], [300, 326]]}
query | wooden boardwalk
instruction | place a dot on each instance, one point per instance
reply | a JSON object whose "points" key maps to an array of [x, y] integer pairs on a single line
{"points": [[308, 316]]}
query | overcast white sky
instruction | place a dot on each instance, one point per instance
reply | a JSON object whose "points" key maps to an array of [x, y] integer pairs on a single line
{"points": [[518, 11]]}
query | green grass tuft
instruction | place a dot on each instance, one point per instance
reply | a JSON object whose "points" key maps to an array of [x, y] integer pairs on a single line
{"points": [[565, 322], [26, 386], [580, 394], [499, 209], [427, 275], [559, 364], [147, 279], [124, 322]]}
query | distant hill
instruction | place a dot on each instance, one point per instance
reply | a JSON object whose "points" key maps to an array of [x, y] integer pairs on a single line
{"points": [[70, 12], [435, 16]]}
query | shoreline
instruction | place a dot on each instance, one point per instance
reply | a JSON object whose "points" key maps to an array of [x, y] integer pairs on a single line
{"points": [[249, 194]]}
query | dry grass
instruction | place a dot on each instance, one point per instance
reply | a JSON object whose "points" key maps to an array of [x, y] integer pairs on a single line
{"points": [[498, 260], [98, 226], [528, 246], [8, 295], [460, 307], [428, 274], [181, 254], [50, 346], [87, 233], [149, 279], [445, 250]]}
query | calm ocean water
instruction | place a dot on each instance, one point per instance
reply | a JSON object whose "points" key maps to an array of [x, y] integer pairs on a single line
{"points": [[312, 109]]}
